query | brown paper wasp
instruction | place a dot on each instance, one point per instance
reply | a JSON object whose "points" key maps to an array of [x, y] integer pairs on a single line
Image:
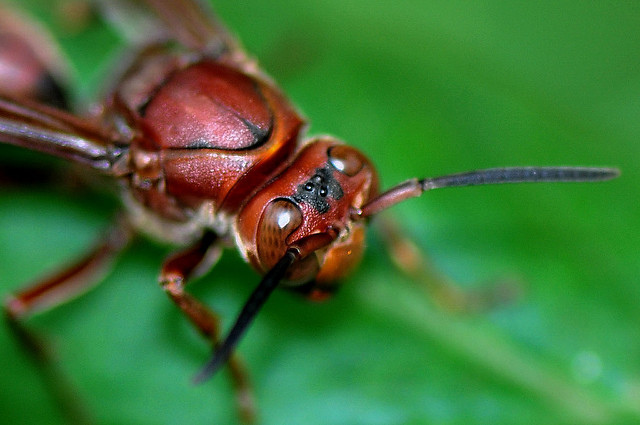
{"points": [[208, 153]]}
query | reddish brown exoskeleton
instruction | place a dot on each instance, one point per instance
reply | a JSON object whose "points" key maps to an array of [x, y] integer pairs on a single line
{"points": [[208, 153]]}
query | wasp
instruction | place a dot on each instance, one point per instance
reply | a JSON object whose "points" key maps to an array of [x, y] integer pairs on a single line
{"points": [[208, 153]]}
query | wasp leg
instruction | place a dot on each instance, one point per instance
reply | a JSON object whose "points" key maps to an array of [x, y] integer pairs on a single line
{"points": [[445, 293], [54, 290], [177, 269]]}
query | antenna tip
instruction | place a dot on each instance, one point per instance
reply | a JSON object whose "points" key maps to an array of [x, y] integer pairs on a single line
{"points": [[599, 174], [209, 369], [611, 173]]}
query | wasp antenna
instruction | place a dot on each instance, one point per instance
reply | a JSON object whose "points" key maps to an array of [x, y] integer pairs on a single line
{"points": [[415, 187], [299, 249], [521, 175], [257, 298]]}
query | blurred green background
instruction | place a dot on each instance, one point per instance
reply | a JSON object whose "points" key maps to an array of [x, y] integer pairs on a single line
{"points": [[424, 88]]}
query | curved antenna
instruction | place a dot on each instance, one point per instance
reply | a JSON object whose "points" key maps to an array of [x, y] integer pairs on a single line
{"points": [[298, 250], [414, 187], [257, 298]]}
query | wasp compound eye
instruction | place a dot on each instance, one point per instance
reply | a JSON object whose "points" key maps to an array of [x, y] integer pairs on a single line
{"points": [[280, 219], [345, 159]]}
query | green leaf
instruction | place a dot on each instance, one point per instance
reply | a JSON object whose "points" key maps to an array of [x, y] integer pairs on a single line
{"points": [[424, 89]]}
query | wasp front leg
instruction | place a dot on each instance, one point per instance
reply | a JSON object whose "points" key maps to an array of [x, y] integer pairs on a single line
{"points": [[445, 293], [176, 270]]}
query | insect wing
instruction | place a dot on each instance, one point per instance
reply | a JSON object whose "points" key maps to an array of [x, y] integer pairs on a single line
{"points": [[189, 22], [54, 132]]}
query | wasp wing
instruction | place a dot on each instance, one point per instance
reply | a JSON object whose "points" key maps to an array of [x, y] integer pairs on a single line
{"points": [[190, 22], [55, 132]]}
